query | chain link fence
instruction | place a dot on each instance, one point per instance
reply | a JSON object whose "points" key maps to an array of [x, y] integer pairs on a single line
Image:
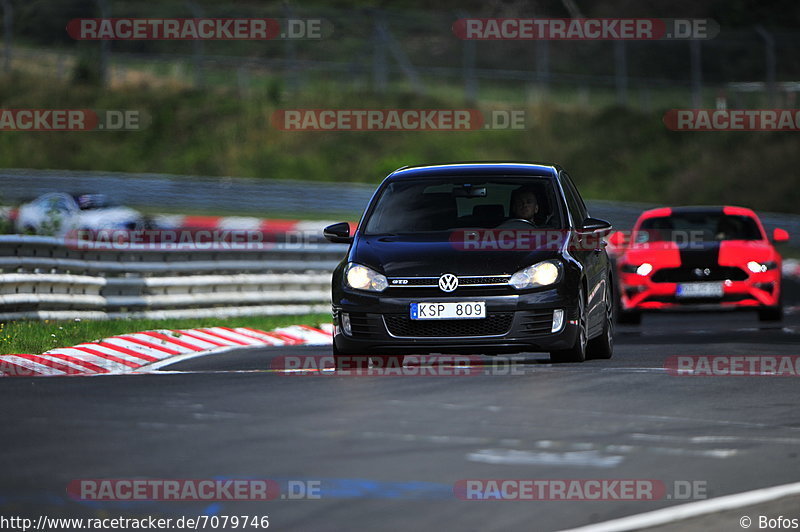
{"points": [[390, 49]]}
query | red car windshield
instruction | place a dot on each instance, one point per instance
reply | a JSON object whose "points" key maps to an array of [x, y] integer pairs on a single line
{"points": [[697, 227]]}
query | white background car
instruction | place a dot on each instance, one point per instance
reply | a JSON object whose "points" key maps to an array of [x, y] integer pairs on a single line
{"points": [[58, 213]]}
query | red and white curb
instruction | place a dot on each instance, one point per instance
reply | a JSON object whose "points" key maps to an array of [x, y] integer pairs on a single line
{"points": [[230, 223], [242, 223], [127, 353]]}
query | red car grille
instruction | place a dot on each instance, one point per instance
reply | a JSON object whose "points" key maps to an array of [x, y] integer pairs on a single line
{"points": [[690, 275]]}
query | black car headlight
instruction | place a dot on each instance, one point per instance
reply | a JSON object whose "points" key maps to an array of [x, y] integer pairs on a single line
{"points": [[363, 278], [540, 274]]}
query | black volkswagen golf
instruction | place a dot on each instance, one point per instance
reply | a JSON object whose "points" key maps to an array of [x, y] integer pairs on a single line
{"points": [[480, 258]]}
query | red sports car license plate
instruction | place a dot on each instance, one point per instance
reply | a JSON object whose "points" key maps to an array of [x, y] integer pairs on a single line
{"points": [[710, 290]]}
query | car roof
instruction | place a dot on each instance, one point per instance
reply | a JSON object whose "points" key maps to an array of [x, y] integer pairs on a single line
{"points": [[482, 168], [697, 209]]}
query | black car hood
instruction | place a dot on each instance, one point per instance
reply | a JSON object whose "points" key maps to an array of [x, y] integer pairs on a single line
{"points": [[433, 255]]}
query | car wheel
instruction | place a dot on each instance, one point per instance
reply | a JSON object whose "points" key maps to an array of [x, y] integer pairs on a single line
{"points": [[603, 345], [347, 361], [577, 353]]}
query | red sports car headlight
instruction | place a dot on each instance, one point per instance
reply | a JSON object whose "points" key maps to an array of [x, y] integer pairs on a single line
{"points": [[642, 269], [759, 267]]}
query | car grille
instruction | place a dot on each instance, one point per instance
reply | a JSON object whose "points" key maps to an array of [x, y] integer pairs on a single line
{"points": [[494, 324], [688, 275], [433, 282], [365, 325], [727, 298], [418, 281], [466, 281], [536, 323]]}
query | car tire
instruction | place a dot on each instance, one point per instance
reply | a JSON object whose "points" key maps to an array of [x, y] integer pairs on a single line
{"points": [[577, 353], [348, 361], [603, 346], [771, 313], [629, 317]]}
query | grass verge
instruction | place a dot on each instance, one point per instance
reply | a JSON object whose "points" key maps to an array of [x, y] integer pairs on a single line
{"points": [[35, 337]]}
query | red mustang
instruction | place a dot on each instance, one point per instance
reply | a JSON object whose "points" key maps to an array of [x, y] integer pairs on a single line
{"points": [[698, 257]]}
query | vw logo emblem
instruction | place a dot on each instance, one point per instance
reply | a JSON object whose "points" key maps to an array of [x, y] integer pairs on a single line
{"points": [[448, 282]]}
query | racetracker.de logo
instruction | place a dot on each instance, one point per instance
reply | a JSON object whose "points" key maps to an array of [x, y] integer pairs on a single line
{"points": [[584, 29], [733, 366], [377, 119], [377, 366], [173, 490], [171, 239], [559, 490], [524, 240], [197, 29], [606, 489], [71, 120], [398, 119], [732, 120]]}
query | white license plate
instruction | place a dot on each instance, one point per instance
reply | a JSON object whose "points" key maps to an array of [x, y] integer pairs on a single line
{"points": [[699, 290], [463, 310]]}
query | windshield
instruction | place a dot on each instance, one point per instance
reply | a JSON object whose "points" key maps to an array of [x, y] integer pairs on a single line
{"points": [[445, 204], [697, 227], [93, 201]]}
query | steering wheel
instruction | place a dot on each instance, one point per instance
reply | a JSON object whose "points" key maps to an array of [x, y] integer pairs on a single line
{"points": [[516, 221]]}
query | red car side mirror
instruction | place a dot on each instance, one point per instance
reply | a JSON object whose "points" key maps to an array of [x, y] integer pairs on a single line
{"points": [[617, 239], [780, 235]]}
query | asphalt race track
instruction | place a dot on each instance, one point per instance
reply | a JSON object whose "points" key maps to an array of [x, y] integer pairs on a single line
{"points": [[388, 450]]}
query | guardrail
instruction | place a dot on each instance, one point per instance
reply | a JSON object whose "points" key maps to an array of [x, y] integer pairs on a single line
{"points": [[249, 196], [45, 278]]}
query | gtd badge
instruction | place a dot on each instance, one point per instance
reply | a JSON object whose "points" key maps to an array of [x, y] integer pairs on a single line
{"points": [[448, 282]]}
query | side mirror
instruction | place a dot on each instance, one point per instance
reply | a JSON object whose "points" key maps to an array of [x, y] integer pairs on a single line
{"points": [[618, 239], [594, 225], [780, 235], [338, 233]]}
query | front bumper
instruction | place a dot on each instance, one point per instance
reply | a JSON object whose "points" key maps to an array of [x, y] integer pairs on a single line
{"points": [[380, 325], [639, 292]]}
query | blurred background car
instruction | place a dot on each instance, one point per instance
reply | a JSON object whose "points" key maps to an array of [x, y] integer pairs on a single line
{"points": [[58, 213], [699, 258]]}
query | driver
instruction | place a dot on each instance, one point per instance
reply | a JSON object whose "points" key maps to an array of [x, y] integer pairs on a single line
{"points": [[524, 204]]}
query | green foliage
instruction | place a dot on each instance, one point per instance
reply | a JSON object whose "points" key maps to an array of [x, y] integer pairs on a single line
{"points": [[613, 153], [87, 70]]}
